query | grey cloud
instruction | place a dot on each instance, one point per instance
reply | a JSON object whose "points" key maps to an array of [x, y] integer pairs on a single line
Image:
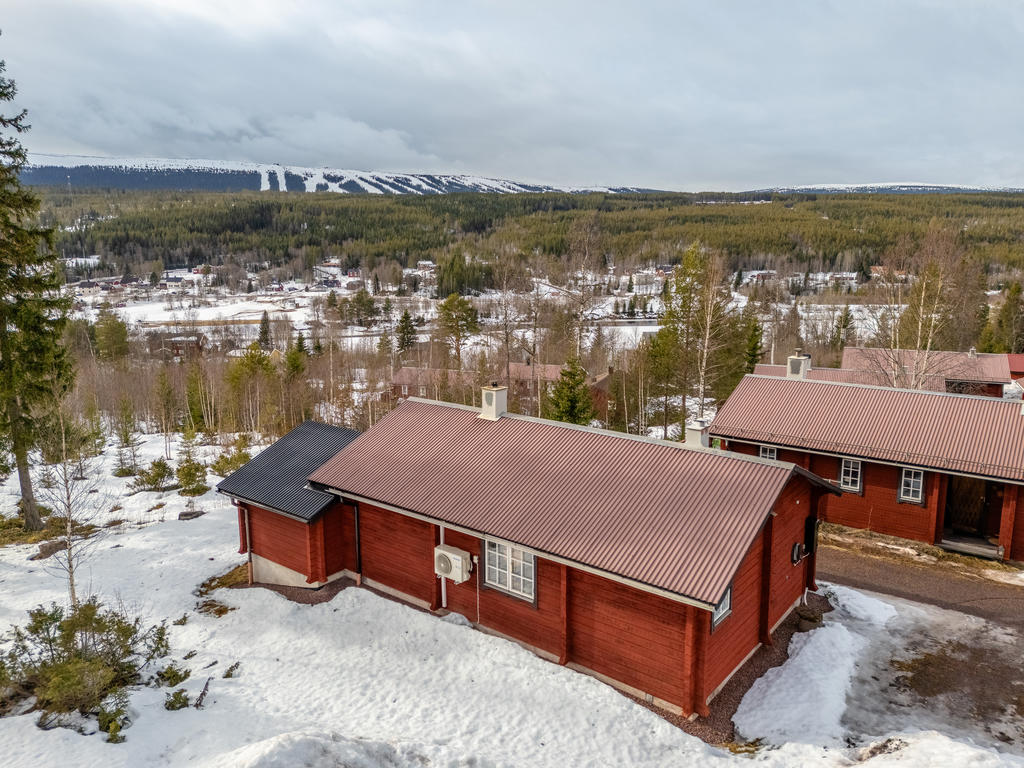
{"points": [[668, 95]]}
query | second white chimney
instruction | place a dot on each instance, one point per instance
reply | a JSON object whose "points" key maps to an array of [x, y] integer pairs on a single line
{"points": [[797, 365], [494, 402]]}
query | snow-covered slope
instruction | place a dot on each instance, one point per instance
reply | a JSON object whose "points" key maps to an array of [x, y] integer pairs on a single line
{"points": [[887, 188], [220, 175], [365, 682]]}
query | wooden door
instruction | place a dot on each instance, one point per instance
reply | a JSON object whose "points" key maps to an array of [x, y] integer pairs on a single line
{"points": [[965, 505]]}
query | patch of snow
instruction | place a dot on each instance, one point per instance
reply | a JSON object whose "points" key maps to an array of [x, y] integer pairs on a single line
{"points": [[804, 700]]}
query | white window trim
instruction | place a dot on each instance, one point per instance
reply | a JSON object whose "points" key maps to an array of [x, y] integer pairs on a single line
{"points": [[855, 488], [405, 389], [511, 554], [903, 484], [423, 391], [723, 610], [768, 452]]}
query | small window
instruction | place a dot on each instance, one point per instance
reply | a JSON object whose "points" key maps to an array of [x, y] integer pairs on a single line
{"points": [[768, 452], [723, 609], [405, 389], [912, 485], [849, 475], [423, 391], [509, 569]]}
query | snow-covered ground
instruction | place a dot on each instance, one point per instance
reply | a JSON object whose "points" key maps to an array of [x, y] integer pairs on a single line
{"points": [[363, 681]]}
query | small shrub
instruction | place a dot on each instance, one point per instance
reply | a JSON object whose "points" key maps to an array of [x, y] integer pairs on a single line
{"points": [[123, 472], [157, 477], [173, 675], [75, 660], [177, 700], [229, 461], [189, 655], [112, 717], [182, 621], [232, 670]]}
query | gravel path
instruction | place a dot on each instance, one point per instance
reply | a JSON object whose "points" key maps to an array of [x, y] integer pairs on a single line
{"points": [[924, 583]]}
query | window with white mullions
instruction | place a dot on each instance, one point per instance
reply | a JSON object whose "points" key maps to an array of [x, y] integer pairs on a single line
{"points": [[849, 475], [768, 452], [912, 485], [510, 569], [723, 609]]}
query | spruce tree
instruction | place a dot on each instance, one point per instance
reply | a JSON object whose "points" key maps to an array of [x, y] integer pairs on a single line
{"points": [[405, 332], [33, 312], [264, 337], [570, 397]]}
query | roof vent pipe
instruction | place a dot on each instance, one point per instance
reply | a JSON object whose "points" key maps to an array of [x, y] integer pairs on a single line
{"points": [[495, 402], [972, 352]]}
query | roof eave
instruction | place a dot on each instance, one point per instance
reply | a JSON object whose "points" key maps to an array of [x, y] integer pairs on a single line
{"points": [[644, 586]]}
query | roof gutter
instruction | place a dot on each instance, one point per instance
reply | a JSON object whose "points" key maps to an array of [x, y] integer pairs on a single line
{"points": [[644, 587], [262, 505]]}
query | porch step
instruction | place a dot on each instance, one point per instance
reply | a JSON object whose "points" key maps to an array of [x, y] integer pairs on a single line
{"points": [[972, 546]]}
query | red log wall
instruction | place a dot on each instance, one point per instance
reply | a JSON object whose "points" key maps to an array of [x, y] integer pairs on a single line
{"points": [[877, 507], [397, 551], [279, 538]]}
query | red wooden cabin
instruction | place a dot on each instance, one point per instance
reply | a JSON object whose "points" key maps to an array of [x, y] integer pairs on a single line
{"points": [[656, 567], [940, 468]]}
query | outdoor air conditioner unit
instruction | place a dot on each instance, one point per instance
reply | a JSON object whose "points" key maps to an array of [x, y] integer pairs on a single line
{"points": [[452, 563]]}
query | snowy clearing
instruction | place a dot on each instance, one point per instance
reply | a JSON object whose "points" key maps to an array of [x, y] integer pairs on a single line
{"points": [[365, 681]]}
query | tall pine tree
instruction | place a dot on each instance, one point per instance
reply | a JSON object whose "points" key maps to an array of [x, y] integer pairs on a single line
{"points": [[33, 312]]}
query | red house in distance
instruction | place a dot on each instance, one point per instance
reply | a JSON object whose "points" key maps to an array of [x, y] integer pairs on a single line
{"points": [[657, 567]]}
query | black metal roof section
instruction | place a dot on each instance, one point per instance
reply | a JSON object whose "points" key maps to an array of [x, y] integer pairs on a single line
{"points": [[276, 479]]}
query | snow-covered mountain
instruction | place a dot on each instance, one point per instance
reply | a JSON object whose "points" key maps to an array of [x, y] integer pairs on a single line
{"points": [[887, 188], [228, 176]]}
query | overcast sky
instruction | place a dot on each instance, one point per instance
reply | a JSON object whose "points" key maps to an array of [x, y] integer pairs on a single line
{"points": [[674, 95]]}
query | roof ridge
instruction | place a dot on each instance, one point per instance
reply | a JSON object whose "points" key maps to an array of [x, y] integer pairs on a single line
{"points": [[857, 385], [678, 445]]}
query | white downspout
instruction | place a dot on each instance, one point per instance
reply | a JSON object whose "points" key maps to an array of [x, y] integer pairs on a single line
{"points": [[248, 544], [444, 581]]}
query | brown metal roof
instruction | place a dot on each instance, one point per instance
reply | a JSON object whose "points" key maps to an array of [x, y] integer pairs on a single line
{"points": [[954, 366], [431, 376], [526, 372], [674, 518], [932, 382], [960, 433]]}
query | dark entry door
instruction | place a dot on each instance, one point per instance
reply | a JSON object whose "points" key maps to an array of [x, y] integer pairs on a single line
{"points": [[965, 505]]}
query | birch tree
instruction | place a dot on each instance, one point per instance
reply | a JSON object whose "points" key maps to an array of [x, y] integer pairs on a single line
{"points": [[711, 310]]}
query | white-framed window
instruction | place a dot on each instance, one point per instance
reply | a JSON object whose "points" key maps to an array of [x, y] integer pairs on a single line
{"points": [[423, 391], [849, 475], [723, 609], [405, 389], [510, 569], [768, 452], [912, 485]]}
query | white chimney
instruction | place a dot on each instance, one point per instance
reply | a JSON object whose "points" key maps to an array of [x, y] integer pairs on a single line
{"points": [[697, 434], [495, 402], [797, 365]]}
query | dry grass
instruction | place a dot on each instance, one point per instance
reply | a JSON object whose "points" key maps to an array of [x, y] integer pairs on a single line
{"points": [[12, 530], [235, 577], [893, 548], [213, 608]]}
